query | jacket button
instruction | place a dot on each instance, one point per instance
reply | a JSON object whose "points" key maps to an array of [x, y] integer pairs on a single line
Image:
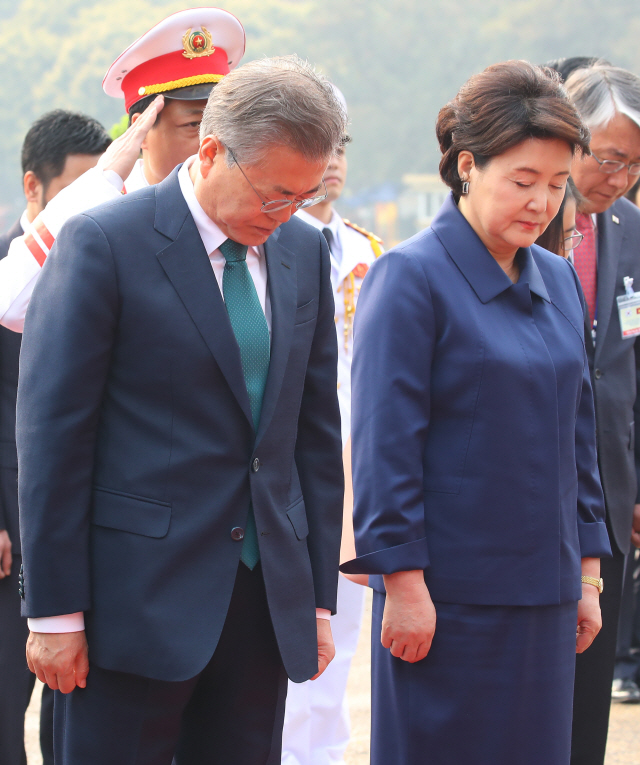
{"points": [[255, 465], [237, 534], [597, 374]]}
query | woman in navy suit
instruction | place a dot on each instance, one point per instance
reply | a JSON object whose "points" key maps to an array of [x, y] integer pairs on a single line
{"points": [[478, 506]]}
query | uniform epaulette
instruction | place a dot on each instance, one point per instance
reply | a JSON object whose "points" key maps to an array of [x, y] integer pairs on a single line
{"points": [[376, 242]]}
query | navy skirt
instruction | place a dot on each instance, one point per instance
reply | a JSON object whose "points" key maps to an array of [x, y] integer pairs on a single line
{"points": [[495, 689]]}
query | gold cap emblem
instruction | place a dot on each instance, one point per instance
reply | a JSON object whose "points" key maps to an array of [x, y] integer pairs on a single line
{"points": [[197, 44]]}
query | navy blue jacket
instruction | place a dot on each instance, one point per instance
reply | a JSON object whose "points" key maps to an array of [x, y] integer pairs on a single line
{"points": [[136, 443], [474, 453]]}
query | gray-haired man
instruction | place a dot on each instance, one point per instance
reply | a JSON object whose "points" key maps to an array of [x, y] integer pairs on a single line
{"points": [[608, 99], [179, 438]]}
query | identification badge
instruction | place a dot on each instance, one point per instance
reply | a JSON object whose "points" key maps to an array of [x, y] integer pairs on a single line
{"points": [[629, 310]]}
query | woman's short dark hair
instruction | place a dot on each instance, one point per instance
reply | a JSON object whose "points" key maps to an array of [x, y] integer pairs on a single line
{"points": [[499, 108]]}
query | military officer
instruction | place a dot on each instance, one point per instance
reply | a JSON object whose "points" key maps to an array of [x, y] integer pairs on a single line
{"points": [[169, 71], [316, 730]]}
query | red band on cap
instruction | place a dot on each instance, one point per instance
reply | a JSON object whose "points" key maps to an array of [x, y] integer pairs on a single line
{"points": [[169, 68]]}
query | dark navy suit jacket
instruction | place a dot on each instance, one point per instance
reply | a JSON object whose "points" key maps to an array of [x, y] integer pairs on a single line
{"points": [[9, 362], [474, 454], [136, 443]]}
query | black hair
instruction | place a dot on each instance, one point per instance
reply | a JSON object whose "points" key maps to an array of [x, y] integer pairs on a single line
{"points": [[141, 105], [54, 136], [552, 237], [499, 108], [566, 66]]}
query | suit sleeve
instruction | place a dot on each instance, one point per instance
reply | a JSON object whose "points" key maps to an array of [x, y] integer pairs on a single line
{"points": [[318, 451], [636, 417], [64, 366], [592, 530], [394, 342]]}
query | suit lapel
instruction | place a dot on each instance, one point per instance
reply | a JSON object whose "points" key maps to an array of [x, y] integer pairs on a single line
{"points": [[282, 285], [610, 236], [188, 267]]}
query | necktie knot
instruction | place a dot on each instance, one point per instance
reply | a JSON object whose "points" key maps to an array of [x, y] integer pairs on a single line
{"points": [[233, 252]]}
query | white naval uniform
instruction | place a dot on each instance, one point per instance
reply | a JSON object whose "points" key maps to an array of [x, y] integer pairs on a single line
{"points": [[316, 724], [27, 254], [20, 269]]}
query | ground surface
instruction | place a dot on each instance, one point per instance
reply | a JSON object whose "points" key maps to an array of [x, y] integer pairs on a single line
{"points": [[624, 736]]}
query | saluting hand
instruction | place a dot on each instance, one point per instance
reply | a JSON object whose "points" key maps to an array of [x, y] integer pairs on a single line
{"points": [[123, 153], [409, 620]]}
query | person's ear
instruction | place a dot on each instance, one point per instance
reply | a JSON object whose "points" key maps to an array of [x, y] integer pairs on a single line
{"points": [[466, 163], [33, 188], [211, 150]]}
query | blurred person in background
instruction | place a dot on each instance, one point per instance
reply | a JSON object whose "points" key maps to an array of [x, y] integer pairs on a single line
{"points": [[58, 148], [608, 100], [626, 677], [488, 540], [561, 235], [566, 66], [316, 725]]}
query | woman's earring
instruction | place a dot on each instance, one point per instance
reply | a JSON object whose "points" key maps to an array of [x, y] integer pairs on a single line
{"points": [[465, 187]]}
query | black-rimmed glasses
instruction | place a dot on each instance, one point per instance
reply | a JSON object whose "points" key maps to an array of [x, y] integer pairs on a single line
{"points": [[279, 204], [571, 242], [611, 166]]}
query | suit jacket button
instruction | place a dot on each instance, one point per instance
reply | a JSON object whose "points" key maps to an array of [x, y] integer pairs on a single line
{"points": [[597, 374], [237, 534], [255, 466]]}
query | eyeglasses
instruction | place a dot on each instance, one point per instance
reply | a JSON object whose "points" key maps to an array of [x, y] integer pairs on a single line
{"points": [[611, 167], [571, 242], [279, 204]]}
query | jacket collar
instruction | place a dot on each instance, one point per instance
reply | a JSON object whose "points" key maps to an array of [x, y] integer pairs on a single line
{"points": [[476, 263]]}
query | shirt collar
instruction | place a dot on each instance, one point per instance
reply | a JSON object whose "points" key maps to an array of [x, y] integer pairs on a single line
{"points": [[475, 262], [210, 234], [312, 221], [24, 222]]}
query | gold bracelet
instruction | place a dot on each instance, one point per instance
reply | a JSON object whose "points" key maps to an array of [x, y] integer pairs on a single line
{"points": [[599, 583]]}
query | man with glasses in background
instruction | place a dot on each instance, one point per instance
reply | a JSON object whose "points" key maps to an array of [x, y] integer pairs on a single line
{"points": [[608, 99]]}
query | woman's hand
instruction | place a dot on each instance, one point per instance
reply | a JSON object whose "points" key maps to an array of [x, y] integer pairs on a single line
{"points": [[589, 616], [409, 620]]}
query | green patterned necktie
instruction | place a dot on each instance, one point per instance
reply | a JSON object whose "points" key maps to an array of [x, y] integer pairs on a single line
{"points": [[252, 333]]}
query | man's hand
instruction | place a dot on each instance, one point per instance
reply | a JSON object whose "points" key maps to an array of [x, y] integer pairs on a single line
{"points": [[5, 554], [123, 153], [635, 530], [326, 648], [409, 620], [61, 660]]}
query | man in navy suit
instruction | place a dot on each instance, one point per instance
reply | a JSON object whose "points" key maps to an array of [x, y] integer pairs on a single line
{"points": [[179, 443], [58, 148]]}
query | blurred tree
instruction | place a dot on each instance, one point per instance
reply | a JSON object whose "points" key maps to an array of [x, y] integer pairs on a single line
{"points": [[397, 61]]}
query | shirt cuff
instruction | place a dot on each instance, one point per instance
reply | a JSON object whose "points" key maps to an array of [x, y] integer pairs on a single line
{"points": [[64, 623], [323, 613], [114, 179]]}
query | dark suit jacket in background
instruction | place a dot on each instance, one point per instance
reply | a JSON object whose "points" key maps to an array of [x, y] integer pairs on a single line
{"points": [[615, 370], [9, 362], [136, 445]]}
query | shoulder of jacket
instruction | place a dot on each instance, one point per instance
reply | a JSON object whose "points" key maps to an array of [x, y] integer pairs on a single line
{"points": [[376, 242]]}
